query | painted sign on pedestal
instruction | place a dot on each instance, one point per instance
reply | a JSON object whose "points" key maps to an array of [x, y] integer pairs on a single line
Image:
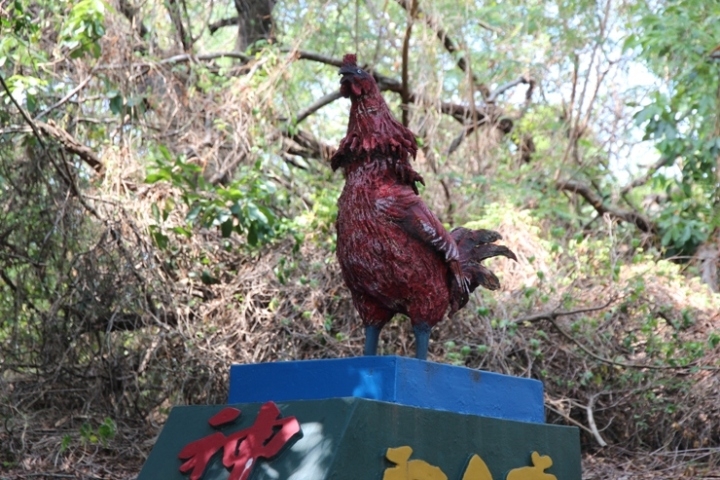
{"points": [[241, 450], [356, 439]]}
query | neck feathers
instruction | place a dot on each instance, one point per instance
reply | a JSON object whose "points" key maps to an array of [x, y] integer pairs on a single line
{"points": [[372, 131]]}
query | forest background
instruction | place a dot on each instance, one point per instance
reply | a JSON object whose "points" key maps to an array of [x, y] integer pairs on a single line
{"points": [[167, 209]]}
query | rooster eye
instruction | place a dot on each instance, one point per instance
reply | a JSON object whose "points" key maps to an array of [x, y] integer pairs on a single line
{"points": [[359, 70]]}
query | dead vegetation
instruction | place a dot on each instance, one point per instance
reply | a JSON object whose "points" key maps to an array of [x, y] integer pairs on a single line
{"points": [[104, 329]]}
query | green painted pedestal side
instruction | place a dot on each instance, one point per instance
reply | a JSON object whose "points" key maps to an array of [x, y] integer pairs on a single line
{"points": [[352, 438]]}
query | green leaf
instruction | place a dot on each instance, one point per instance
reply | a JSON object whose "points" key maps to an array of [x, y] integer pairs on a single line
{"points": [[158, 176], [227, 228], [161, 240], [155, 212], [116, 104], [252, 236], [667, 238]]}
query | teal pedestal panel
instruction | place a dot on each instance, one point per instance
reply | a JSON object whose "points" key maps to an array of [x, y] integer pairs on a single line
{"points": [[359, 439]]}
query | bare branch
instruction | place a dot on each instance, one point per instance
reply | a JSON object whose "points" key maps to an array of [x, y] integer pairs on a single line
{"points": [[72, 145], [447, 42], [551, 316], [22, 111], [67, 97], [507, 86], [505, 124], [597, 203], [176, 18], [591, 421], [317, 105], [568, 418], [311, 147], [459, 112], [642, 179], [225, 22], [205, 56], [405, 94], [315, 57], [130, 12]]}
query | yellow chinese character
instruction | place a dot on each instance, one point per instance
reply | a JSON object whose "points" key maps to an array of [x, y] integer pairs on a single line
{"points": [[410, 470], [477, 470], [536, 472]]}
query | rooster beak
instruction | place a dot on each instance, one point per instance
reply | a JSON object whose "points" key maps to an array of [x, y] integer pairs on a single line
{"points": [[348, 69], [346, 77]]}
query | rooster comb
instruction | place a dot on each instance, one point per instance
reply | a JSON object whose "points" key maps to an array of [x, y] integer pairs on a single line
{"points": [[349, 60]]}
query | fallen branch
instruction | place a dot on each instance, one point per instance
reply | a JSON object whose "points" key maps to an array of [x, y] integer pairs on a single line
{"points": [[568, 418], [591, 421]]}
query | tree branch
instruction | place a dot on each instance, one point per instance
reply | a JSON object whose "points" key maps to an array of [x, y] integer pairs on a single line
{"points": [[72, 145], [505, 124], [459, 112], [185, 57], [176, 18], [591, 421], [130, 12], [640, 221], [405, 95], [313, 148], [24, 114], [225, 22], [67, 97], [552, 316], [319, 103], [507, 86], [447, 42], [642, 179]]}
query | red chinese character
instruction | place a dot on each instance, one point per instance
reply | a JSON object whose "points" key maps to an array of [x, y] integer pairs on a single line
{"points": [[241, 450]]}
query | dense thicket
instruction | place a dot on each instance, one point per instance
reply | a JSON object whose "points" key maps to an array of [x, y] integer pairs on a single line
{"points": [[167, 208]]}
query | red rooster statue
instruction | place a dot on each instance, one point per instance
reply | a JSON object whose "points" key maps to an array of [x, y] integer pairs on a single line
{"points": [[395, 255]]}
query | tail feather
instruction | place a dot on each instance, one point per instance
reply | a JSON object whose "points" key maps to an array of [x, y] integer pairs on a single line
{"points": [[474, 247]]}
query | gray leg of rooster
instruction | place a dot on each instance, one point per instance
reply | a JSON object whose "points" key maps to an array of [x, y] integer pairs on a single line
{"points": [[372, 335], [422, 339]]}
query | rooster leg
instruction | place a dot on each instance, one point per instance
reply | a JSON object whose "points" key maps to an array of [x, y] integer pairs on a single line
{"points": [[422, 338], [372, 335]]}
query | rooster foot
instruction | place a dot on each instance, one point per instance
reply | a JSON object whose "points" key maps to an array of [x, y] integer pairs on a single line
{"points": [[422, 338], [372, 335]]}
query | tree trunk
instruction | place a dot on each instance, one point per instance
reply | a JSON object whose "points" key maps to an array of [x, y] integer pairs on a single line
{"points": [[254, 22]]}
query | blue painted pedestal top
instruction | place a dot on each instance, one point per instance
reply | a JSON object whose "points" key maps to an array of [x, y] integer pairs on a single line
{"points": [[401, 380]]}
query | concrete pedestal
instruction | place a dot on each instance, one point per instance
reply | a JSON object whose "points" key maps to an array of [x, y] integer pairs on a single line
{"points": [[367, 418]]}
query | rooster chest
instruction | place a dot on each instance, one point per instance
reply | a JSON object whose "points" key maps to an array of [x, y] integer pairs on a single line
{"points": [[373, 249], [363, 230]]}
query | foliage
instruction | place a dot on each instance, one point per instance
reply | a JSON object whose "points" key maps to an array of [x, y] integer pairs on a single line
{"points": [[243, 207], [682, 118]]}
